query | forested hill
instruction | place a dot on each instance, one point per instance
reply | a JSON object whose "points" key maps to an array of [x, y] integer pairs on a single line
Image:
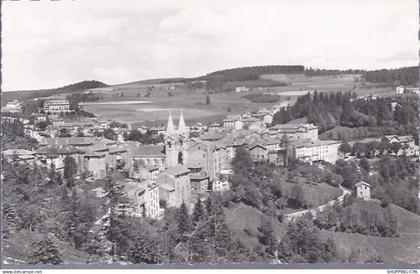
{"points": [[401, 76], [252, 73], [28, 94]]}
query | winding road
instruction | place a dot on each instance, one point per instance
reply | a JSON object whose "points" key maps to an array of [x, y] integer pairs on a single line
{"points": [[293, 216]]}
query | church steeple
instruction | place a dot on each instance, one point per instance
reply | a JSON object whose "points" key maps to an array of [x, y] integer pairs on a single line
{"points": [[170, 130], [181, 125]]}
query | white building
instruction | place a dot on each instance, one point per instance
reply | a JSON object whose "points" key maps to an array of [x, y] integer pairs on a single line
{"points": [[241, 89], [363, 190], [14, 106], [399, 90], [56, 105], [295, 132], [315, 151]]}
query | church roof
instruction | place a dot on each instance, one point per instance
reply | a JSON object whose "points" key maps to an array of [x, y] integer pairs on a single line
{"points": [[146, 150]]}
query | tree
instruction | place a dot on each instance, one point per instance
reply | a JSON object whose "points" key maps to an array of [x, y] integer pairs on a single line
{"points": [[70, 169], [268, 237], [364, 164], [302, 243], [45, 252], [198, 212], [395, 147], [296, 199], [359, 149], [345, 148], [183, 220], [285, 143], [207, 99], [242, 162]]}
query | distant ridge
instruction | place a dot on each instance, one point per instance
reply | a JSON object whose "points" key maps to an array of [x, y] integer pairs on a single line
{"points": [[28, 94]]}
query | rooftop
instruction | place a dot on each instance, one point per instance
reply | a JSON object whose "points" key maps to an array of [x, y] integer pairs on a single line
{"points": [[177, 170]]}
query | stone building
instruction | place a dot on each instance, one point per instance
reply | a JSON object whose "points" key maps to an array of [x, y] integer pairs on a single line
{"points": [[174, 186]]}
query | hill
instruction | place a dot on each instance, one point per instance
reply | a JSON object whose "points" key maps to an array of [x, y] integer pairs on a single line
{"points": [[29, 94], [404, 248]]}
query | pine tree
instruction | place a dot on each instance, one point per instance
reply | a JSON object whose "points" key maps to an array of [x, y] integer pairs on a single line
{"points": [[183, 220], [70, 169], [198, 213], [45, 252], [268, 237]]}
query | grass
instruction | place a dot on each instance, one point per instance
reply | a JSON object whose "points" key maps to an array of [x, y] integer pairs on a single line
{"points": [[244, 220], [18, 247], [404, 248], [314, 194]]}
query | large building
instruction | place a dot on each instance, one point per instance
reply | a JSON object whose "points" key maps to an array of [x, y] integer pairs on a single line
{"points": [[174, 186], [174, 182], [315, 151], [56, 105], [295, 132]]}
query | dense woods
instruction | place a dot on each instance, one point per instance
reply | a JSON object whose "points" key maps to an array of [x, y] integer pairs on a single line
{"points": [[394, 77], [328, 110]]}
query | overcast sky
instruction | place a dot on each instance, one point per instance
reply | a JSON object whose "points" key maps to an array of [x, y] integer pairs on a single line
{"points": [[48, 44]]}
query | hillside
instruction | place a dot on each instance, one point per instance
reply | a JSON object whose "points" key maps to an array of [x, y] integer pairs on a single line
{"points": [[391, 249], [29, 94]]}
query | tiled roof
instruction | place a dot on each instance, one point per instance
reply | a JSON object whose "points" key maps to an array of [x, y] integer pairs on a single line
{"points": [[177, 170], [55, 150], [75, 141], [146, 150], [19, 152], [117, 149], [361, 183]]}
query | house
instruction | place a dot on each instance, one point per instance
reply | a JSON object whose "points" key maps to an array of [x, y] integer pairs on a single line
{"points": [[12, 107], [199, 181], [259, 153], [55, 154], [241, 89], [215, 127], [148, 154], [174, 186], [95, 164], [407, 143], [363, 190], [143, 198], [295, 131], [232, 123], [22, 155], [399, 90], [221, 184]]}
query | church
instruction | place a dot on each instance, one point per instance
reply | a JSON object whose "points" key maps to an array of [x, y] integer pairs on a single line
{"points": [[174, 181]]}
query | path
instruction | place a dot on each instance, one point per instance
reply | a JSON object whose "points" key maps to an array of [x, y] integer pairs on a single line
{"points": [[293, 216]]}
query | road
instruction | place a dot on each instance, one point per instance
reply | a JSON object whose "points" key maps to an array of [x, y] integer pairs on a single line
{"points": [[315, 210]]}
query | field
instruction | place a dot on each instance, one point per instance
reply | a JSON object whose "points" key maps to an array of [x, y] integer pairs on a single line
{"points": [[155, 111]]}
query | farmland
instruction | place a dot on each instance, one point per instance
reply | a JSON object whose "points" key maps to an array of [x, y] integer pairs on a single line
{"points": [[177, 96]]}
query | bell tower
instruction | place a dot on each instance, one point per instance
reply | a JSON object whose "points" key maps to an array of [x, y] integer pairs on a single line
{"points": [[176, 142]]}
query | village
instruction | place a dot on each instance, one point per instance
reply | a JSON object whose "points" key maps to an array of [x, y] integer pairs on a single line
{"points": [[188, 162]]}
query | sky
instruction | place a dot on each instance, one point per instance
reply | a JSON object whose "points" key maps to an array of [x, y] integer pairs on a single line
{"points": [[48, 44]]}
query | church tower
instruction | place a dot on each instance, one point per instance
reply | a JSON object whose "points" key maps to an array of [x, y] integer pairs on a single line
{"points": [[176, 142]]}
